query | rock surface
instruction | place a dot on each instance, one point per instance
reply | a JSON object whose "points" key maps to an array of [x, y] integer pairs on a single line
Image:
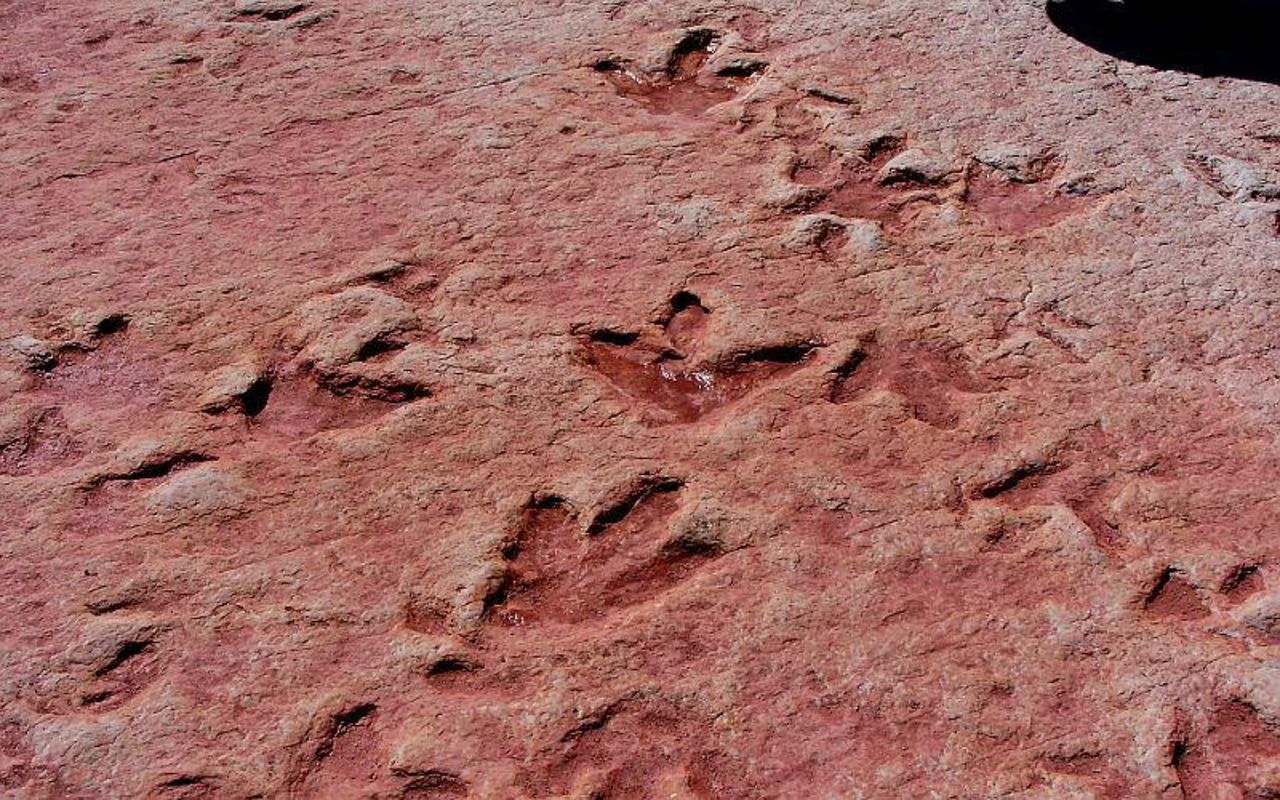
{"points": [[632, 399]]}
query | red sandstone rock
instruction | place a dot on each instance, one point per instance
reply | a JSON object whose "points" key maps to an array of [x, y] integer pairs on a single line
{"points": [[631, 400]]}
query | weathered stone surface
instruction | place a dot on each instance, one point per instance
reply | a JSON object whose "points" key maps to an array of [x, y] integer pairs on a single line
{"points": [[632, 399]]}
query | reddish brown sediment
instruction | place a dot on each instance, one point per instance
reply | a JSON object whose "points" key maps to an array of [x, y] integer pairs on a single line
{"points": [[559, 573], [925, 376], [680, 95], [1018, 208], [629, 400], [682, 86], [685, 391]]}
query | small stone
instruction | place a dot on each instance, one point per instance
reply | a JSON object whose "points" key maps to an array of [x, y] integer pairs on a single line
{"points": [[199, 491], [1015, 162], [228, 386], [917, 166], [30, 353], [268, 9]]}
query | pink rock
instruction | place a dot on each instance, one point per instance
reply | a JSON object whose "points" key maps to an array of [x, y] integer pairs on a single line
{"points": [[696, 400]]}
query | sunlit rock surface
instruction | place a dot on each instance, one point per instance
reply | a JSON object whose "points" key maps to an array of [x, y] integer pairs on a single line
{"points": [[631, 400]]}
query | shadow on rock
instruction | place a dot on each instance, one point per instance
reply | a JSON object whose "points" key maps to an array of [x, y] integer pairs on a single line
{"points": [[1211, 38]]}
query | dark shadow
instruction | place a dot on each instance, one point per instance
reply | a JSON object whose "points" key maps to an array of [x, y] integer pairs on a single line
{"points": [[1211, 38]]}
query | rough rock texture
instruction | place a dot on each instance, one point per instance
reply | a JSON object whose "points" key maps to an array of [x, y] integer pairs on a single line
{"points": [[631, 399]]}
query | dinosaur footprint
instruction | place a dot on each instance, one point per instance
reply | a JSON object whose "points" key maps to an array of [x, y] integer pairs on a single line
{"points": [[556, 574], [930, 378], [684, 84], [659, 369], [1018, 199]]}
